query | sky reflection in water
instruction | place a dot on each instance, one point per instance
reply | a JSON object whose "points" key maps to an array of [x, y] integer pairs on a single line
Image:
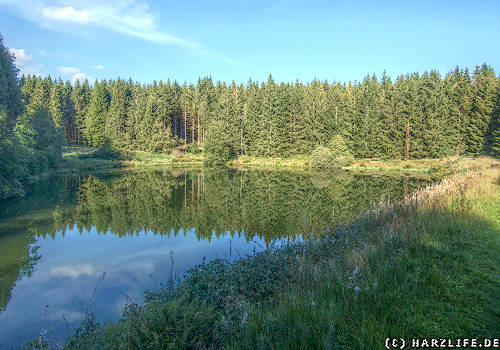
{"points": [[87, 226]]}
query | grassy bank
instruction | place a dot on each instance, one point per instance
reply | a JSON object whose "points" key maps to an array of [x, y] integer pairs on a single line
{"points": [[438, 168], [77, 160], [140, 159], [435, 168], [81, 158], [248, 162], [425, 267]]}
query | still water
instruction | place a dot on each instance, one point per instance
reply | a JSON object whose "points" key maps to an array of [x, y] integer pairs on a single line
{"points": [[142, 228]]}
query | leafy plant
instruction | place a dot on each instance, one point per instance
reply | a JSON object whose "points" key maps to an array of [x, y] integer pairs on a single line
{"points": [[321, 158]]}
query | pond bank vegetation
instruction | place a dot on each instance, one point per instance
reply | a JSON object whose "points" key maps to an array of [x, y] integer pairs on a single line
{"points": [[83, 158], [426, 266]]}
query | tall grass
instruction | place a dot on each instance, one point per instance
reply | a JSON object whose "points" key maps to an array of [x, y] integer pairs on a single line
{"points": [[427, 266]]}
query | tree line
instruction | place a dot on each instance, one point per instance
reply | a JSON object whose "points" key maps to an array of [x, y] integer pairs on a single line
{"points": [[454, 114], [457, 114]]}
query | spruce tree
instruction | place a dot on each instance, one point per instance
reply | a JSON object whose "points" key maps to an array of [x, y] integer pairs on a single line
{"points": [[116, 121], [80, 100], [56, 104], [95, 123], [483, 90]]}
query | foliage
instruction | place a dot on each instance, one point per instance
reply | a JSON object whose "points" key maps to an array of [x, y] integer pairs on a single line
{"points": [[107, 152], [341, 155], [30, 143], [95, 123], [218, 147], [41, 139], [193, 148], [337, 155], [12, 167], [321, 158], [11, 105], [448, 116]]}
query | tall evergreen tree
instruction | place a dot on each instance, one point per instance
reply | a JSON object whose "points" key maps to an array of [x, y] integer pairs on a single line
{"points": [[483, 91], [56, 104], [80, 99], [116, 121], [95, 123]]}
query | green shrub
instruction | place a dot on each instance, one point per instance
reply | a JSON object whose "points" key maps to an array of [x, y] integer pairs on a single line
{"points": [[439, 172], [337, 155], [106, 152], [321, 158]]}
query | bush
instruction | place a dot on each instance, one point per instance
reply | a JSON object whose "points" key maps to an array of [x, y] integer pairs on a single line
{"points": [[177, 153], [321, 158], [106, 152], [337, 155]]}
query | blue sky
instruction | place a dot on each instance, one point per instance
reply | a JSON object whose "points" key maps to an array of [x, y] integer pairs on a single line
{"points": [[242, 39]]}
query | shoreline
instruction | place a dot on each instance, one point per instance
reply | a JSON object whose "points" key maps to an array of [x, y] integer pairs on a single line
{"points": [[388, 275], [81, 160]]}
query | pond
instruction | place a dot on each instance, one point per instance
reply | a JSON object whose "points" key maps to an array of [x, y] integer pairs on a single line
{"points": [[101, 240]]}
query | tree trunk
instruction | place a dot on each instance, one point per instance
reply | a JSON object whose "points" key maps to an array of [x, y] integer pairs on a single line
{"points": [[407, 146], [185, 138], [199, 143]]}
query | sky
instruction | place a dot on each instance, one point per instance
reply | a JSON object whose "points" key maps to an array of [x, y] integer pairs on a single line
{"points": [[237, 40]]}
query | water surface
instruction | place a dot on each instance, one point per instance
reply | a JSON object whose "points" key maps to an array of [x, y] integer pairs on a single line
{"points": [[140, 228]]}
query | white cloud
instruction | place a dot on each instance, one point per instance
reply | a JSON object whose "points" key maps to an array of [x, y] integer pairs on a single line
{"points": [[25, 63], [73, 73], [70, 315], [129, 17], [66, 14], [72, 271], [97, 66]]}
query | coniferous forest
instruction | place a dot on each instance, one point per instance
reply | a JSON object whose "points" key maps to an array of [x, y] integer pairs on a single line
{"points": [[457, 114]]}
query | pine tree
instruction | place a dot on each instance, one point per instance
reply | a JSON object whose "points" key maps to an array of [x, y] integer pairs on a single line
{"points": [[459, 93], [55, 104], [347, 120], [95, 123], [116, 121], [389, 134], [69, 112], [80, 99], [493, 135], [297, 124], [483, 90]]}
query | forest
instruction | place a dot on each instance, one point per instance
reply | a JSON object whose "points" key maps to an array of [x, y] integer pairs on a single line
{"points": [[455, 115]]}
